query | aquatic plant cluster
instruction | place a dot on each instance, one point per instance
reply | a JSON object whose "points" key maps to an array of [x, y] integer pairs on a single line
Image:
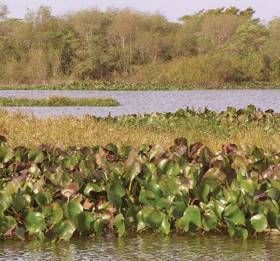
{"points": [[57, 194], [56, 101]]}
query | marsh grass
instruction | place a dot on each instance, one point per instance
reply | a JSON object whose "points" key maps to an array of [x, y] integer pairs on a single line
{"points": [[56, 101], [23, 130]]}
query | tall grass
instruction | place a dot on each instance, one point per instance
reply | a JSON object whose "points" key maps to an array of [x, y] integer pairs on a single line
{"points": [[67, 131]]}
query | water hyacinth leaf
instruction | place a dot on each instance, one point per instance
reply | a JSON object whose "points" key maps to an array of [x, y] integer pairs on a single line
{"points": [[191, 215], [7, 223], [259, 222], [140, 222], [275, 184], [21, 201], [234, 214], [152, 217], [5, 202], [168, 186], [83, 221], [43, 198], [241, 232], [35, 222], [119, 225], [165, 226], [69, 162], [133, 166], [6, 154], [54, 213], [168, 167], [248, 186], [209, 221], [64, 230], [72, 209], [98, 226], [36, 156], [277, 222], [93, 187], [115, 192], [219, 207], [178, 206], [213, 177], [34, 171], [273, 193], [149, 169]]}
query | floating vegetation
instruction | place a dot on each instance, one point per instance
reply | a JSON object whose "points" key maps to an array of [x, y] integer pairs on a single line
{"points": [[242, 126], [51, 193], [56, 101]]}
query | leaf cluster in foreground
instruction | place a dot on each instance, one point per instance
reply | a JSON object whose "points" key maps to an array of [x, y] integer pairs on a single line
{"points": [[57, 194]]}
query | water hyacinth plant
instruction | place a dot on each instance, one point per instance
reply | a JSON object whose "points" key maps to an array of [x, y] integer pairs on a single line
{"points": [[55, 101], [57, 194]]}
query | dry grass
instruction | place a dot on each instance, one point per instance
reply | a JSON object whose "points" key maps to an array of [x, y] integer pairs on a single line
{"points": [[30, 131]]}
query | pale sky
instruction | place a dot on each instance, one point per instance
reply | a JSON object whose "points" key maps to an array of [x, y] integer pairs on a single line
{"points": [[173, 9]]}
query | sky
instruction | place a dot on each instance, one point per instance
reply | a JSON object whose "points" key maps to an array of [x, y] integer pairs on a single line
{"points": [[172, 9]]}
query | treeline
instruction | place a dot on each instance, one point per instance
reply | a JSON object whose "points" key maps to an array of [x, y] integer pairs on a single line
{"points": [[213, 47]]}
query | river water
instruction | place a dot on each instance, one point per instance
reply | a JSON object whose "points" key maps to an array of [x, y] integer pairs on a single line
{"points": [[151, 101], [149, 247]]}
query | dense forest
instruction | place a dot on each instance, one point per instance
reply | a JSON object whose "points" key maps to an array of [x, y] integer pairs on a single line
{"points": [[212, 47]]}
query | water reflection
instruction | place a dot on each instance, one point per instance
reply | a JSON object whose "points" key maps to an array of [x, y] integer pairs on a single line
{"points": [[151, 247]]}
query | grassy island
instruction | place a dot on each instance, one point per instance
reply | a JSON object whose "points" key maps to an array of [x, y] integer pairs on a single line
{"points": [[57, 102], [244, 126]]}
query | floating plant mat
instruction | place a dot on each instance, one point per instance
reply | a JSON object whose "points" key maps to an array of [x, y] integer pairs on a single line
{"points": [[54, 193], [56, 101]]}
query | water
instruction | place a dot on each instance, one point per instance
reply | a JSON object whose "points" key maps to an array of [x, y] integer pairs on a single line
{"points": [[150, 247], [152, 101]]}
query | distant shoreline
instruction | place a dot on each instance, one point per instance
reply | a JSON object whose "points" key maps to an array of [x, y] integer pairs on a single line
{"points": [[128, 86]]}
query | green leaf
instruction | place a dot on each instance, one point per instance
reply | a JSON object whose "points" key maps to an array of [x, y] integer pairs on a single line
{"points": [[194, 216], [64, 230], [191, 216], [209, 221], [54, 213], [115, 192], [43, 198], [259, 222], [165, 226], [72, 209], [36, 156], [118, 223], [152, 217], [5, 202], [83, 221], [248, 186], [7, 223], [233, 213], [92, 187], [35, 222], [6, 154]]}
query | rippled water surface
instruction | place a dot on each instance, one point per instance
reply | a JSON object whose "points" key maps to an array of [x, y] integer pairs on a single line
{"points": [[152, 247], [152, 101]]}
